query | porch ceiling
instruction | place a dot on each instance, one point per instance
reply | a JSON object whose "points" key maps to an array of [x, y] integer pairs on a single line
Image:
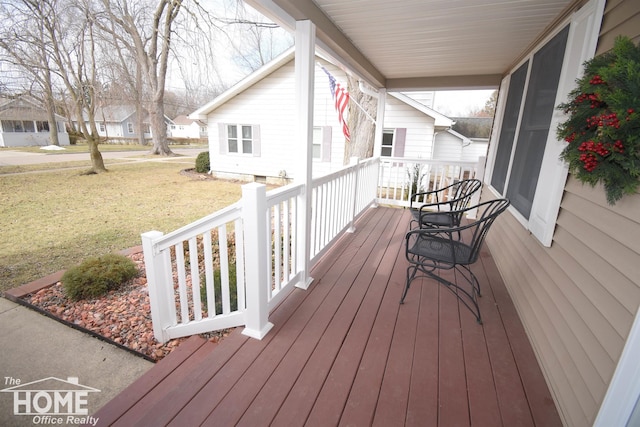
{"points": [[423, 44]]}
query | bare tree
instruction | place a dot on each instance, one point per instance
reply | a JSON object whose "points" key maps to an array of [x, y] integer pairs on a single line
{"points": [[361, 125], [254, 40], [25, 46], [74, 53], [150, 39]]}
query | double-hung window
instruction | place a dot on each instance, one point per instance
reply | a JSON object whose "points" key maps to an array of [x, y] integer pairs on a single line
{"points": [[321, 144], [525, 165], [393, 142], [239, 139], [387, 143]]}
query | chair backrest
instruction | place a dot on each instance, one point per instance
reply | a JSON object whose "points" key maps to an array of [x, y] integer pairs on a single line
{"points": [[464, 191], [462, 198], [487, 213]]}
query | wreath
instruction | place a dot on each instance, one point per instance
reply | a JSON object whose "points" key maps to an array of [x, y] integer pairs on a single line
{"points": [[603, 125]]}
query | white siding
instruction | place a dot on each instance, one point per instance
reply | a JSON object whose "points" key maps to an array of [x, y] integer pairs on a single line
{"points": [[447, 147], [419, 138], [270, 105]]}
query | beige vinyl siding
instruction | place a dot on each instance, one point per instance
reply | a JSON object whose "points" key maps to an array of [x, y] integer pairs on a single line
{"points": [[578, 298], [620, 17]]}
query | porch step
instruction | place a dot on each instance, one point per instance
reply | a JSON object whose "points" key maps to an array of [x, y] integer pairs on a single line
{"points": [[159, 381]]}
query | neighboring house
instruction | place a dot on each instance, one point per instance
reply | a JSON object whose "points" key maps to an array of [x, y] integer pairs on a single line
{"points": [[184, 127], [450, 145], [120, 122], [250, 127], [24, 123]]}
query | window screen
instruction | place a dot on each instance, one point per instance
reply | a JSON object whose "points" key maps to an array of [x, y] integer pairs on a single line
{"points": [[536, 119], [508, 130]]}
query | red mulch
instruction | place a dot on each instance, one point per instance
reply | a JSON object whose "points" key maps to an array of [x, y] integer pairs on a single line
{"points": [[122, 316]]}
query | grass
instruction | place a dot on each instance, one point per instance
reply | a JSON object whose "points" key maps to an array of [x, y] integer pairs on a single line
{"points": [[53, 221], [82, 147]]}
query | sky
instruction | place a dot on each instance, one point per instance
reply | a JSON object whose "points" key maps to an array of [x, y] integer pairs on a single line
{"points": [[459, 103]]}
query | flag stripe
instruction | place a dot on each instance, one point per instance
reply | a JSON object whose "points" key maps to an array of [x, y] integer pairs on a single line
{"points": [[341, 98]]}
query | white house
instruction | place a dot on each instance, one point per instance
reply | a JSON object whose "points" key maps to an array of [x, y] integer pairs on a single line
{"points": [[120, 122], [23, 123], [251, 137], [184, 127]]}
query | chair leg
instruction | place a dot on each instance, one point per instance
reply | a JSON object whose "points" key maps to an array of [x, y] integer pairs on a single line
{"points": [[411, 274]]}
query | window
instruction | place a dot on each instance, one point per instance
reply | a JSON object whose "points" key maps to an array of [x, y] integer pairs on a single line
{"points": [[387, 143], [317, 143], [525, 166], [42, 126], [240, 139], [102, 127], [130, 127], [393, 142]]}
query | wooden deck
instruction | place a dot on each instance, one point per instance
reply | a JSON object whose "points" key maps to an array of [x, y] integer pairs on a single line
{"points": [[345, 352]]}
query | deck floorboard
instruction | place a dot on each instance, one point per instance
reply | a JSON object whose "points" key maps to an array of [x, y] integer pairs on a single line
{"points": [[345, 352]]}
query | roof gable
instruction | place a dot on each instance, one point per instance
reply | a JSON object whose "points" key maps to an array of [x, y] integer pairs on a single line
{"points": [[440, 119], [244, 84]]}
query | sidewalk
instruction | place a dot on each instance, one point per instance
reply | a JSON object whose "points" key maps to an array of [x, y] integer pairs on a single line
{"points": [[10, 157], [34, 347]]}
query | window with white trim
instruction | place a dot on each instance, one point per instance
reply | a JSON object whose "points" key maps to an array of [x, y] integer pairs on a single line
{"points": [[240, 139], [525, 166], [130, 127], [387, 143]]}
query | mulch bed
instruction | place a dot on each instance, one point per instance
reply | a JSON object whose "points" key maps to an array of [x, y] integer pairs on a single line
{"points": [[122, 317]]}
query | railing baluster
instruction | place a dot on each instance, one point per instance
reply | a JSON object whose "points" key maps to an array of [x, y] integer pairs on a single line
{"points": [[224, 269], [182, 283], [240, 264], [195, 278], [208, 272]]}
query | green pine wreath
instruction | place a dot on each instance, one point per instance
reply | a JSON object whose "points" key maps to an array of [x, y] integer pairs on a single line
{"points": [[603, 125]]}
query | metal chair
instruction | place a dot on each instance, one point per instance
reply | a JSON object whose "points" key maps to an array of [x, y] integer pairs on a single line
{"points": [[446, 205], [429, 250]]}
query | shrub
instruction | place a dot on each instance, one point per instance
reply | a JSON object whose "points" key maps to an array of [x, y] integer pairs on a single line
{"points": [[233, 290], [98, 275], [202, 162]]}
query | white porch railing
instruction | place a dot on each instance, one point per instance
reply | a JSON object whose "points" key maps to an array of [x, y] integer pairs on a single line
{"points": [[234, 266], [399, 178]]}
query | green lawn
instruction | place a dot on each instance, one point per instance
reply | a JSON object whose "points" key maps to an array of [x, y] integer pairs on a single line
{"points": [[82, 147], [52, 221]]}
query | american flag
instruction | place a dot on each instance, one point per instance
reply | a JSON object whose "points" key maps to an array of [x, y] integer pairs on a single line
{"points": [[341, 98]]}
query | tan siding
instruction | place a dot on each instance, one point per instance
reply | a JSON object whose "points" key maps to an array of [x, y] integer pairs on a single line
{"points": [[541, 317], [578, 298], [620, 17]]}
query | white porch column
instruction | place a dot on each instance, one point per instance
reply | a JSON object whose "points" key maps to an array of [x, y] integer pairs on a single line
{"points": [[305, 76], [254, 208]]}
